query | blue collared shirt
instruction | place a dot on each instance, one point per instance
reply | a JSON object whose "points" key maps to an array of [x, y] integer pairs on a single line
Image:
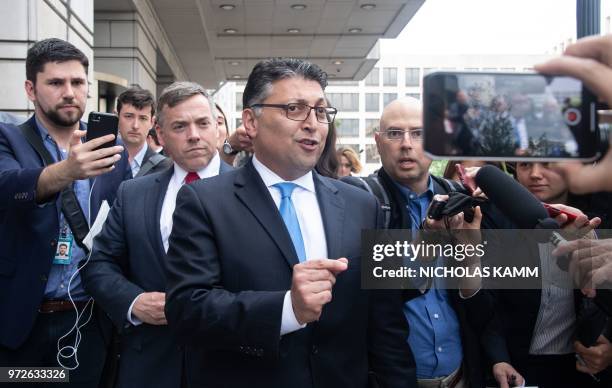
{"points": [[434, 328], [136, 163], [59, 276]]}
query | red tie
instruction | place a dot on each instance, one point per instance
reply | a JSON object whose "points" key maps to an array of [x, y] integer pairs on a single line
{"points": [[191, 177]]}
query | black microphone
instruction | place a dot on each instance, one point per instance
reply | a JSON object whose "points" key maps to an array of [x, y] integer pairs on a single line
{"points": [[514, 200], [527, 212]]}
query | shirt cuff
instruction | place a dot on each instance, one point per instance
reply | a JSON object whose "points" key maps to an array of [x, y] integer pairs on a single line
{"points": [[132, 319], [289, 322]]}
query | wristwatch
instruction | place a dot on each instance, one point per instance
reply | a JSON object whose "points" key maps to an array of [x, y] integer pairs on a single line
{"points": [[228, 149]]}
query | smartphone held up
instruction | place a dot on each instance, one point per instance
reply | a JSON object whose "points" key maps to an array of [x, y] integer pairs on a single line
{"points": [[101, 124], [509, 116]]}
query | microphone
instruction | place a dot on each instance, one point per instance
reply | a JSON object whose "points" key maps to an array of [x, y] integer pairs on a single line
{"points": [[527, 212], [513, 199]]}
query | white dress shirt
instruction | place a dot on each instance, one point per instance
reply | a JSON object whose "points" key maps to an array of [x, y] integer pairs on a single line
{"points": [[165, 221], [304, 198]]}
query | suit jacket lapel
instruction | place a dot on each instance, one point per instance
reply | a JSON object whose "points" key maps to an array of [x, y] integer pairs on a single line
{"points": [[156, 196], [332, 212], [148, 153], [250, 189]]}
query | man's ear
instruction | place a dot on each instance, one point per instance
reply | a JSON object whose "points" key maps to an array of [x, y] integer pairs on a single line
{"points": [[377, 139], [30, 90], [249, 120]]}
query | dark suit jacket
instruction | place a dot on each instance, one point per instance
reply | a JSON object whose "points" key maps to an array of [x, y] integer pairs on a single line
{"points": [[161, 166], [128, 259], [229, 266], [29, 231]]}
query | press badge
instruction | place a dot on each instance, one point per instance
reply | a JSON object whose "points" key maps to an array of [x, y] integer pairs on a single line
{"points": [[63, 253]]}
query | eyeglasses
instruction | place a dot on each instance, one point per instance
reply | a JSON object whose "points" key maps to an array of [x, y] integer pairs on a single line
{"points": [[399, 134], [301, 112]]}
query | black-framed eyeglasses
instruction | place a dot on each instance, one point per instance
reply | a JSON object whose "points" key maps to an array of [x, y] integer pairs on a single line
{"points": [[299, 112], [399, 134]]}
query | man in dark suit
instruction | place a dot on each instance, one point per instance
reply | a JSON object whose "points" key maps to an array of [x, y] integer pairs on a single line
{"points": [[135, 108], [267, 285], [125, 274], [35, 288]]}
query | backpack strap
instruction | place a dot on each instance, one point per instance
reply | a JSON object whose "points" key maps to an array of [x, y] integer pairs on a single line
{"points": [[73, 213], [374, 187], [150, 164]]}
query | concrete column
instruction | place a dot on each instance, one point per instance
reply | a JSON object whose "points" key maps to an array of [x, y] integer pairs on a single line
{"points": [[125, 48]]}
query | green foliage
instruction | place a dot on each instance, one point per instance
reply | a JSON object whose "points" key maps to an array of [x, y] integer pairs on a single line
{"points": [[437, 167]]}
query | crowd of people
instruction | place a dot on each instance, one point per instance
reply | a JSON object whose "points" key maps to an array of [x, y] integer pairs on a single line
{"points": [[233, 260]]}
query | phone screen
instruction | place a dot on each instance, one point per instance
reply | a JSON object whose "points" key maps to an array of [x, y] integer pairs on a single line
{"points": [[508, 116]]}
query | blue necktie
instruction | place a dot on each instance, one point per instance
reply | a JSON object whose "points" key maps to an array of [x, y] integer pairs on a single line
{"points": [[287, 211]]}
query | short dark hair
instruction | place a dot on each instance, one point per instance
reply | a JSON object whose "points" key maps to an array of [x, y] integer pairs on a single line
{"points": [[51, 50], [63, 245], [153, 135], [268, 71], [138, 98], [178, 92]]}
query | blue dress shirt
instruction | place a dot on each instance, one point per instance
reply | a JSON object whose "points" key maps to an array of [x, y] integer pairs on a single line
{"points": [[59, 276], [434, 336]]}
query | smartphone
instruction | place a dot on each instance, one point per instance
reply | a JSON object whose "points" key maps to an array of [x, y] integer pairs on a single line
{"points": [[467, 182], [508, 116], [554, 212], [100, 124]]}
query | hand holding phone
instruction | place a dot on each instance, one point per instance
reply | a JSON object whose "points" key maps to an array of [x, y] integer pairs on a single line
{"points": [[90, 159]]}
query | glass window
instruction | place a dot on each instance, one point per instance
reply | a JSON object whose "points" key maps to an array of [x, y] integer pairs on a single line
{"points": [[412, 76], [414, 95], [388, 97], [390, 76], [372, 103], [371, 127], [238, 101], [238, 123], [347, 127], [348, 102], [372, 155], [373, 79]]}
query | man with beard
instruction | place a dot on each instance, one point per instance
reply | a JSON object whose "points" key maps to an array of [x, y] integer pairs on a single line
{"points": [[38, 292]]}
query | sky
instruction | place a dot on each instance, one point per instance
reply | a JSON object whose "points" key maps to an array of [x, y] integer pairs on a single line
{"points": [[488, 27]]}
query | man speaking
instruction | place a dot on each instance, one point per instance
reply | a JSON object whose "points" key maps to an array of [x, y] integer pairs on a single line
{"points": [[267, 284]]}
